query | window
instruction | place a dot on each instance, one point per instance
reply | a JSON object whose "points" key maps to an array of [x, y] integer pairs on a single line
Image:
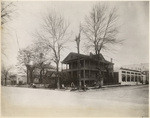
{"points": [[132, 73], [132, 78], [87, 73], [140, 80], [128, 72], [81, 63], [82, 76], [70, 67], [123, 78], [135, 78], [128, 78], [123, 72]]}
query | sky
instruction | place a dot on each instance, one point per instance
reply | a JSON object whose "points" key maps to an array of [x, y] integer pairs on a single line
{"points": [[133, 20]]}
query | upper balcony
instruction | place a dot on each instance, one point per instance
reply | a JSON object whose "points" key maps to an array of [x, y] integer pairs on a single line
{"points": [[83, 65]]}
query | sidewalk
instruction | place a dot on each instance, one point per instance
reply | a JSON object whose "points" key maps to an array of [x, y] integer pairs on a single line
{"points": [[116, 85]]}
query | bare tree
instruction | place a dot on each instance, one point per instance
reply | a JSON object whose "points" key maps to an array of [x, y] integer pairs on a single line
{"points": [[24, 58], [53, 37], [77, 39], [7, 8], [41, 59], [5, 73], [101, 29], [35, 54]]}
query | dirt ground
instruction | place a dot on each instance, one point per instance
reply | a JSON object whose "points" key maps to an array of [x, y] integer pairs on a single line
{"points": [[127, 101]]}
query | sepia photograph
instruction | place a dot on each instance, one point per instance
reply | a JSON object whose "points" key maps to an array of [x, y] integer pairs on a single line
{"points": [[75, 59]]}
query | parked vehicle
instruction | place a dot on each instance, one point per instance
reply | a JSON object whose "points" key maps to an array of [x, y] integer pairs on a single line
{"points": [[32, 85]]}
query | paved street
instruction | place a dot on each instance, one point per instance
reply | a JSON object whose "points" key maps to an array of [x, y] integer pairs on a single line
{"points": [[116, 101]]}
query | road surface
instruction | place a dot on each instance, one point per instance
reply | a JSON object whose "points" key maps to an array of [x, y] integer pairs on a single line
{"points": [[127, 101]]}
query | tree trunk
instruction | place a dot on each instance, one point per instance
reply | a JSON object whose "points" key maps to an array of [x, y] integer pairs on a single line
{"points": [[100, 76], [27, 75], [78, 48], [41, 76], [58, 79], [31, 75], [5, 81]]}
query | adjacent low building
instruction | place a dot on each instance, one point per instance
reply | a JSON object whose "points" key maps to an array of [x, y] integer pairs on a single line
{"points": [[131, 77], [143, 67], [21, 78]]}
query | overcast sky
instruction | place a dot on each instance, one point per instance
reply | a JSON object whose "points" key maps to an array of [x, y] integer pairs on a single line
{"points": [[133, 20]]}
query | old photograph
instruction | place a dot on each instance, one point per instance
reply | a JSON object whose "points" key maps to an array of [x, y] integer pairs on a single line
{"points": [[75, 59]]}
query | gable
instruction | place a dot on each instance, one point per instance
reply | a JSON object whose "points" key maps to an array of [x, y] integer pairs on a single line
{"points": [[53, 75], [71, 56]]}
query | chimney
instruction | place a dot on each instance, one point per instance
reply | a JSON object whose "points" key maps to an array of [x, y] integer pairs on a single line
{"points": [[111, 60], [91, 54]]}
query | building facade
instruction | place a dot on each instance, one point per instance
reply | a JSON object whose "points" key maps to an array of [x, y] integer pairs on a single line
{"points": [[83, 69], [144, 67], [131, 77], [21, 78]]}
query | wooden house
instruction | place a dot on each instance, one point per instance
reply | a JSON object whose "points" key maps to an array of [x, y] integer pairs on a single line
{"points": [[43, 73], [83, 69]]}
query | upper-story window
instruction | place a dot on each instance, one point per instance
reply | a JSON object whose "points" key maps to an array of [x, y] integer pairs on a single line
{"points": [[128, 72], [82, 63], [74, 65], [123, 71]]}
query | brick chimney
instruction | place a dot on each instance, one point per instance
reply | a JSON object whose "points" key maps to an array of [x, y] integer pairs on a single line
{"points": [[111, 60]]}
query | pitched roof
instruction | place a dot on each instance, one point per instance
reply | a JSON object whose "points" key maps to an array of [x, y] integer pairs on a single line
{"points": [[74, 56], [51, 73], [130, 69], [47, 66]]}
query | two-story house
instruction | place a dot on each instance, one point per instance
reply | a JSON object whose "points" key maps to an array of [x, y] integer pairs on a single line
{"points": [[84, 68]]}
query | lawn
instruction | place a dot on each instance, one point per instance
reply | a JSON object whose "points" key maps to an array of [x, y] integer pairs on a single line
{"points": [[127, 101]]}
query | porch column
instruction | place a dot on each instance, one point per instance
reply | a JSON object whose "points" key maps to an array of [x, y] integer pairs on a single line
{"points": [[130, 76], [83, 73], [83, 82], [134, 77], [61, 66], [126, 77], [79, 84]]}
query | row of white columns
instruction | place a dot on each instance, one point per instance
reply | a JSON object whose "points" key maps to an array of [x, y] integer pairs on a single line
{"points": [[126, 77], [130, 75]]}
